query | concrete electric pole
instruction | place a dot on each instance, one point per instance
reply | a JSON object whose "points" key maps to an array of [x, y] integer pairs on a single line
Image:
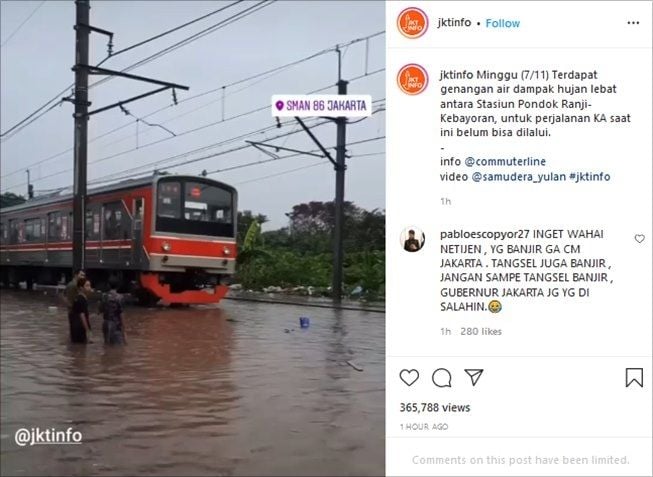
{"points": [[82, 71]]}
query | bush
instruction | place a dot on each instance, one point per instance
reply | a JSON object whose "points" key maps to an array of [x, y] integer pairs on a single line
{"points": [[301, 255]]}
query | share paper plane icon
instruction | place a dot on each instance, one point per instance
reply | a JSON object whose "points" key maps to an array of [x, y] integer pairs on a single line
{"points": [[474, 374]]}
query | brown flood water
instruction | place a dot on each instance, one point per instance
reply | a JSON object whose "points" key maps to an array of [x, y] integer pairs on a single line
{"points": [[197, 391]]}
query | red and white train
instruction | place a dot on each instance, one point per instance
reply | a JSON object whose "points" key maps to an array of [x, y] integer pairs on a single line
{"points": [[170, 237]]}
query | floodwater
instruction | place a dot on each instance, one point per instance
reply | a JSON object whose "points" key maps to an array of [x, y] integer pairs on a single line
{"points": [[233, 389]]}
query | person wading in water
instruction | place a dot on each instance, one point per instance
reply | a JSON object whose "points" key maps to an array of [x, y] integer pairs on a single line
{"points": [[80, 325], [70, 293], [111, 310]]}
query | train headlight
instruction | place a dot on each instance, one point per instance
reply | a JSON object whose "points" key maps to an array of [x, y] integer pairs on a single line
{"points": [[166, 246], [226, 251]]}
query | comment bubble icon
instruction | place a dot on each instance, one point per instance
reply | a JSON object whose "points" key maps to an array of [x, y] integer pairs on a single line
{"points": [[442, 378]]}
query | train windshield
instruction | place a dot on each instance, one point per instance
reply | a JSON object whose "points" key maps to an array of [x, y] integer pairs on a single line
{"points": [[192, 206]]}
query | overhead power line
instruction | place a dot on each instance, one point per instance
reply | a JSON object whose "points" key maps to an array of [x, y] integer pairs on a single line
{"points": [[137, 171], [159, 161], [57, 98], [199, 95], [21, 25], [221, 143], [59, 154], [28, 120], [296, 169], [282, 173], [246, 113], [248, 164], [132, 172], [185, 154], [263, 74], [172, 30], [321, 163], [196, 36], [256, 110]]}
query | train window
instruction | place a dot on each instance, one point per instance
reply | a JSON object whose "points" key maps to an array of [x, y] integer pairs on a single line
{"points": [[92, 223], [88, 226], [96, 224], [64, 233], [169, 200], [113, 221], [21, 232], [54, 226], [3, 233], [207, 203], [138, 209], [13, 231], [69, 234], [33, 230], [205, 208]]}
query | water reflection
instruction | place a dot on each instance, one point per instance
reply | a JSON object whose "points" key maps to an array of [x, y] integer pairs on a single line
{"points": [[234, 390]]}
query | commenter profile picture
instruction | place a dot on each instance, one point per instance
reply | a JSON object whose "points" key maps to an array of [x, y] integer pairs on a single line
{"points": [[412, 239]]}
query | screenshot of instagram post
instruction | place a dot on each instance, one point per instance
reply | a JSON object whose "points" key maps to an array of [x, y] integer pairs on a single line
{"points": [[192, 238], [518, 339], [326, 238]]}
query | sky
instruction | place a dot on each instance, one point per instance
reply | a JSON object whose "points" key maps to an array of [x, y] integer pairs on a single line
{"points": [[36, 61]]}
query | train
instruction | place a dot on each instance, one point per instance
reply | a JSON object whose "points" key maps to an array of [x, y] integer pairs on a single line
{"points": [[165, 237]]}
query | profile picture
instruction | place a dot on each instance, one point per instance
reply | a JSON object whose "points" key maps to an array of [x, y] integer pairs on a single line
{"points": [[412, 239]]}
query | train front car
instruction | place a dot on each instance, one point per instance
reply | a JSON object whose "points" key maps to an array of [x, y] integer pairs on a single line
{"points": [[189, 240]]}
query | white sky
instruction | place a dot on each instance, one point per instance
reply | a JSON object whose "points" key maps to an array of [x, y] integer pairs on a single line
{"points": [[36, 64]]}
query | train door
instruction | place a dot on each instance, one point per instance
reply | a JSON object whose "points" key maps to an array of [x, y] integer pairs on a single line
{"points": [[137, 230]]}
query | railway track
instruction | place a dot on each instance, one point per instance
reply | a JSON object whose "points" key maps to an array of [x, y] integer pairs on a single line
{"points": [[272, 300]]}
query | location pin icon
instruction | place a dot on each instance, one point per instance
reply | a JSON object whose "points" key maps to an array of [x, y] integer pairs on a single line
{"points": [[279, 105]]}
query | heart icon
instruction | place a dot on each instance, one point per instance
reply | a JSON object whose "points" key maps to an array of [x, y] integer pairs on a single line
{"points": [[639, 238], [409, 376], [279, 105]]}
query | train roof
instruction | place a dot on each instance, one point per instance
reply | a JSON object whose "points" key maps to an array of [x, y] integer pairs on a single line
{"points": [[122, 185]]}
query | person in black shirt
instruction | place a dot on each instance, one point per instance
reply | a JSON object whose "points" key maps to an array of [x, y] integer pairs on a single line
{"points": [[70, 292], [411, 244], [80, 325], [111, 309]]}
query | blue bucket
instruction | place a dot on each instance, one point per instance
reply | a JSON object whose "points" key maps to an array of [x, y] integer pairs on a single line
{"points": [[304, 322]]}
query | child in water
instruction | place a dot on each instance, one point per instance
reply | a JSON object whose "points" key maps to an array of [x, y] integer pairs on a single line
{"points": [[111, 309]]}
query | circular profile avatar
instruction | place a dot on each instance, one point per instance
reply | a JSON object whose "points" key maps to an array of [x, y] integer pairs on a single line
{"points": [[412, 239], [412, 22], [412, 79]]}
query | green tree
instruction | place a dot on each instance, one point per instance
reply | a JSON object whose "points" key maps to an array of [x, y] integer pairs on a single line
{"points": [[301, 254], [245, 219], [365, 232], [312, 223], [8, 199]]}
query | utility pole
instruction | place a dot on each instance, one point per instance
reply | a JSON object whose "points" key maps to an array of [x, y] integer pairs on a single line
{"points": [[82, 32], [82, 71], [30, 187], [340, 167]]}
